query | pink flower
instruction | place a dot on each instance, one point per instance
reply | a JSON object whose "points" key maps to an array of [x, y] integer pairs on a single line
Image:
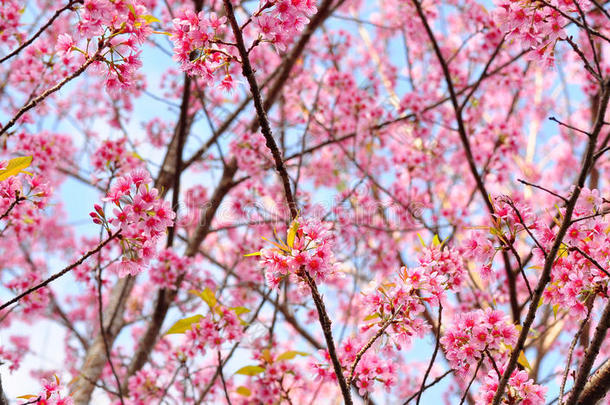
{"points": [[65, 43]]}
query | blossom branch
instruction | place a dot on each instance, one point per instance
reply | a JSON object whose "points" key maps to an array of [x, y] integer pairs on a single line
{"points": [[281, 169], [34, 102], [41, 30], [370, 343], [545, 277]]}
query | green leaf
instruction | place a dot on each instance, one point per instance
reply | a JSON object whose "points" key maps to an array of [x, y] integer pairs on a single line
{"points": [[292, 232], [183, 325], [241, 390], [555, 310], [250, 370], [290, 355], [15, 166]]}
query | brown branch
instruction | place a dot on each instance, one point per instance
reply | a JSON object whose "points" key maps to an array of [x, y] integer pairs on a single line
{"points": [[41, 30], [545, 277], [436, 346], [166, 297], [590, 356], [95, 359], [476, 371], [34, 102], [571, 352], [263, 121], [370, 343], [18, 199], [436, 380], [62, 272], [281, 169], [597, 387], [590, 259], [326, 329]]}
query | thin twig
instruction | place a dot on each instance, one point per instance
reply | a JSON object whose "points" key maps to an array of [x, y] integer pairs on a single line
{"points": [[62, 272], [570, 353], [34, 102], [436, 346], [370, 343]]}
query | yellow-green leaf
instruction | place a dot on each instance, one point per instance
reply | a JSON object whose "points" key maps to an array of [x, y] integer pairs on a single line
{"points": [[245, 391], [292, 232], [555, 309], [209, 297], [421, 240], [253, 254], [240, 310], [183, 325], [436, 241], [371, 317], [15, 166], [289, 355], [206, 295], [523, 361], [150, 18], [281, 247], [250, 370]]}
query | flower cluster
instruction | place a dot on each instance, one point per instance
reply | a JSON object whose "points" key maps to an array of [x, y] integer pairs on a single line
{"points": [[534, 25], [169, 266], [401, 301], [220, 325], [275, 377], [21, 209], [48, 150], [141, 216], [13, 355], [371, 368], [578, 273], [195, 46], [308, 247], [51, 394], [520, 390], [114, 157], [10, 14], [145, 385], [251, 152], [280, 21], [476, 333], [446, 262]]}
